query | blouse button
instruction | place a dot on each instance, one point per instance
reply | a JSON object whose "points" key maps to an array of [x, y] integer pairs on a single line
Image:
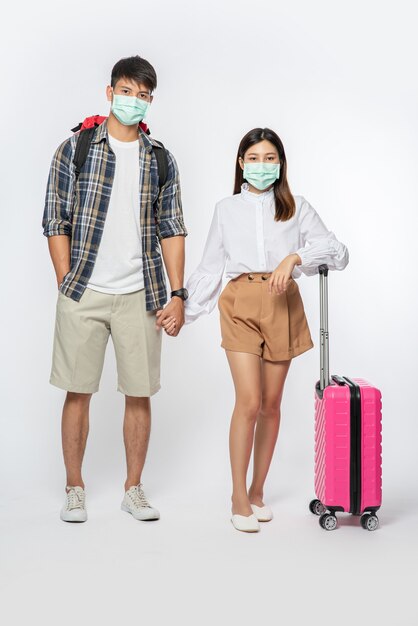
{"points": [[250, 277]]}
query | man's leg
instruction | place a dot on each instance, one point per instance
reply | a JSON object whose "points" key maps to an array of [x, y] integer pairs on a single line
{"points": [[137, 344], [75, 428], [136, 433]]}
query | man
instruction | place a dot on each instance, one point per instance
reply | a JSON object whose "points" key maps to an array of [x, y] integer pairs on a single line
{"points": [[109, 230]]}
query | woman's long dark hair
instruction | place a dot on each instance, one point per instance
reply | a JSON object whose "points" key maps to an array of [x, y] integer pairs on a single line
{"points": [[285, 203]]}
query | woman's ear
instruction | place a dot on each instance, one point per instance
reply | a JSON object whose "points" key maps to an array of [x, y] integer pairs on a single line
{"points": [[241, 162]]}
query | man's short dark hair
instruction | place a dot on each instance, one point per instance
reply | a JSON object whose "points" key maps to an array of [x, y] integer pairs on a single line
{"points": [[137, 69]]}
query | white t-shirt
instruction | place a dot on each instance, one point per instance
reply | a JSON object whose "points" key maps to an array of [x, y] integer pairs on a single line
{"points": [[118, 267]]}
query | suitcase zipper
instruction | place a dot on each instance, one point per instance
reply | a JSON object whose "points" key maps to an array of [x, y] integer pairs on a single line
{"points": [[355, 446]]}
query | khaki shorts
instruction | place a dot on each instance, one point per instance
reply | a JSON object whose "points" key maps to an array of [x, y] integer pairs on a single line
{"points": [[252, 320], [82, 331]]}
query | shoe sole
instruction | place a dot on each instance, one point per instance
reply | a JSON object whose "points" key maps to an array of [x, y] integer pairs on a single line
{"points": [[140, 519], [73, 521]]}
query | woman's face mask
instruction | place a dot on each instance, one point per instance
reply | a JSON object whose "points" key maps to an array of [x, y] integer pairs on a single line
{"points": [[261, 175], [129, 110]]}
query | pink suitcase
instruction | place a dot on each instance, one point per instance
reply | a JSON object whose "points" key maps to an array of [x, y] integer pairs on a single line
{"points": [[348, 439]]}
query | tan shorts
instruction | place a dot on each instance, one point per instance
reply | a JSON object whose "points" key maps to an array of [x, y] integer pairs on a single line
{"points": [[82, 331], [252, 320]]}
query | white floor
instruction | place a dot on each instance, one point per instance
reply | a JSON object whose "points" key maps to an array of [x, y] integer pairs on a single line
{"points": [[192, 567]]}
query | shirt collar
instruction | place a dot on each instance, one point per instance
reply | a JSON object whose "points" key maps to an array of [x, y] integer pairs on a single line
{"points": [[144, 141], [256, 197]]}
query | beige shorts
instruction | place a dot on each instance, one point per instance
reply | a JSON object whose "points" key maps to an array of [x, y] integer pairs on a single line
{"points": [[82, 331], [252, 320]]}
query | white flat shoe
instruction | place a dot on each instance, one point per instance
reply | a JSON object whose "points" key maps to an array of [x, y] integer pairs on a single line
{"points": [[247, 524], [262, 513]]}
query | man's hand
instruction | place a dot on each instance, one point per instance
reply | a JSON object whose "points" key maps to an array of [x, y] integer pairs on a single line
{"points": [[171, 318], [61, 276], [59, 249], [279, 278]]}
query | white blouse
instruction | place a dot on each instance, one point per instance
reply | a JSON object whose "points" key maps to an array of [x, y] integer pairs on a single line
{"points": [[244, 237]]}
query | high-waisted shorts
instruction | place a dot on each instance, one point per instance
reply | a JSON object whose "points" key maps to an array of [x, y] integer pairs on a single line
{"points": [[270, 325]]}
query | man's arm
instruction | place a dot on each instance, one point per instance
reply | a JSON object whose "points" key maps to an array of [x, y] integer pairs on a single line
{"points": [[171, 232], [57, 216], [173, 249], [59, 249]]}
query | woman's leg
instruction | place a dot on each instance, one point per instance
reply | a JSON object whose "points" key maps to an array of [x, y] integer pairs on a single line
{"points": [[246, 374], [268, 422]]}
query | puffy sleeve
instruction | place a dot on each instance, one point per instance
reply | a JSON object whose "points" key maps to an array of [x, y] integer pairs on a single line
{"points": [[319, 245], [205, 283]]}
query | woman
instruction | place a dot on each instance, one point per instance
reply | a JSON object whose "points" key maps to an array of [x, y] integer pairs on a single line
{"points": [[263, 238]]}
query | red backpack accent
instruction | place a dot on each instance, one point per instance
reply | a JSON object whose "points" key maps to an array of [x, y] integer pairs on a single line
{"points": [[96, 120]]}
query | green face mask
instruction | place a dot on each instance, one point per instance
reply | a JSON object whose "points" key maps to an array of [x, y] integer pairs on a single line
{"points": [[261, 175], [129, 110]]}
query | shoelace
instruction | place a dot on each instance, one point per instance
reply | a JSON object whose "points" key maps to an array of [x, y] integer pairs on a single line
{"points": [[138, 498], [75, 499]]}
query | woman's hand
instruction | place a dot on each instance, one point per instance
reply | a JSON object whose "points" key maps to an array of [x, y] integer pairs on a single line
{"points": [[171, 318], [170, 326], [279, 278]]}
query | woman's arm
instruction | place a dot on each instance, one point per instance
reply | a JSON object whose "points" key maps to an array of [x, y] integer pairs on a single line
{"points": [[319, 245], [205, 283]]}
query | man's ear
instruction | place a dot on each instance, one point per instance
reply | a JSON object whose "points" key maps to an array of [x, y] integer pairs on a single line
{"points": [[109, 93]]}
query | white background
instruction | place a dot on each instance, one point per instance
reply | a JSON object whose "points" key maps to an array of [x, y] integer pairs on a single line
{"points": [[337, 81]]}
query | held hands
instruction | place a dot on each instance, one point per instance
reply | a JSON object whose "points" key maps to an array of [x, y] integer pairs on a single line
{"points": [[279, 278], [171, 318]]}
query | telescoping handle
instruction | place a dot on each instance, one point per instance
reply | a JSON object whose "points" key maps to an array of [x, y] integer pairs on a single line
{"points": [[323, 331]]}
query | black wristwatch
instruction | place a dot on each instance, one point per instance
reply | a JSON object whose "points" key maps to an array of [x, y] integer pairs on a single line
{"points": [[181, 293]]}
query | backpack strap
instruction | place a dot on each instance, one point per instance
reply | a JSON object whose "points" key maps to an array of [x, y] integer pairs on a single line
{"points": [[83, 146], [162, 163], [82, 149]]}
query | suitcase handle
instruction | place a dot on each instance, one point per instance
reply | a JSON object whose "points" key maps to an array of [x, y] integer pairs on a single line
{"points": [[323, 331]]}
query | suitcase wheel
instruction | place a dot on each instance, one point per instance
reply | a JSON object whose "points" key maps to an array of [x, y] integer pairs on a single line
{"points": [[369, 521], [328, 521], [316, 507]]}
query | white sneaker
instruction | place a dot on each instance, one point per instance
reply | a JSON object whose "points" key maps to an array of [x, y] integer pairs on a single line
{"points": [[74, 509], [137, 505]]}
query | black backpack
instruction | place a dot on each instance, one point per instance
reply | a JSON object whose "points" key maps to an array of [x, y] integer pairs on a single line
{"points": [[83, 146]]}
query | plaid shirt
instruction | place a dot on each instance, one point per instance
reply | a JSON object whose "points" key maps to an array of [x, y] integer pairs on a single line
{"points": [[79, 210]]}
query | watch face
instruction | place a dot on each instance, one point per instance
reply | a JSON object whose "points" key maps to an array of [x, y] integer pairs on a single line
{"points": [[181, 293]]}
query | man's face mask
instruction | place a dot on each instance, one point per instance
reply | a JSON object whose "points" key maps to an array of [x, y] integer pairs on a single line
{"points": [[129, 110]]}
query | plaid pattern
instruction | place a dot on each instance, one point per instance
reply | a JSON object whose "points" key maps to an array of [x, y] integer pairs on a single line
{"points": [[79, 210]]}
